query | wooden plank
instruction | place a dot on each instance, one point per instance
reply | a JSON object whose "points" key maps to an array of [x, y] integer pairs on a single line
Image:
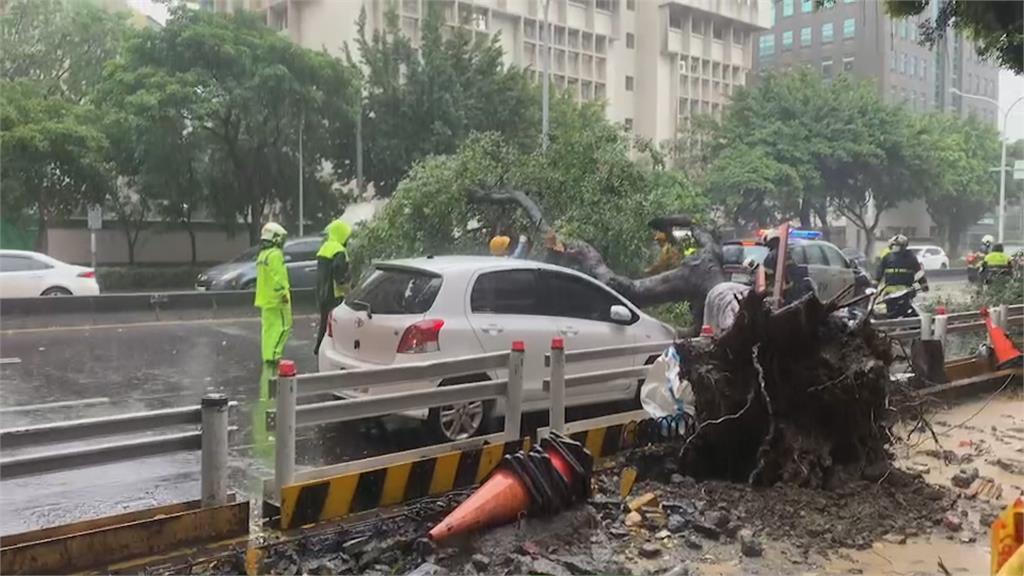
{"points": [[95, 524], [986, 382], [113, 544]]}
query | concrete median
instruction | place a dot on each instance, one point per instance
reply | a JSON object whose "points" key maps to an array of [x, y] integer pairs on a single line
{"points": [[71, 311]]}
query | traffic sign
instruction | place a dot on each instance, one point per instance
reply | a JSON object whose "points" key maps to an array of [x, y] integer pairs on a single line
{"points": [[95, 217]]}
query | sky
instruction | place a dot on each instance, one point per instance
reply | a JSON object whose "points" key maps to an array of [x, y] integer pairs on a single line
{"points": [[1011, 87]]}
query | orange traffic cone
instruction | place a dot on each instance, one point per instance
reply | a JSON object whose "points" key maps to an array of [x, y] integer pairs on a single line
{"points": [[505, 496], [1007, 355]]}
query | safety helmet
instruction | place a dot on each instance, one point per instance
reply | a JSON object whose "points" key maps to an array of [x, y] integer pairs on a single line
{"points": [[987, 240], [273, 232], [751, 264], [898, 242], [769, 235], [499, 245]]}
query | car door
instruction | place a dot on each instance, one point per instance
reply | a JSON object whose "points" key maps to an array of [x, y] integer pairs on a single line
{"points": [[580, 309], [817, 268], [504, 306], [300, 259], [840, 268], [21, 276]]}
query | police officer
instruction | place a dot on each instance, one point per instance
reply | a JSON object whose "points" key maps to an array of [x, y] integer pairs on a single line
{"points": [[900, 269], [796, 283], [996, 263], [273, 293], [986, 243], [331, 274]]}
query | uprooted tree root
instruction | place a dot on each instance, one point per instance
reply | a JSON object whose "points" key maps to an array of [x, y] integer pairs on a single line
{"points": [[797, 395]]}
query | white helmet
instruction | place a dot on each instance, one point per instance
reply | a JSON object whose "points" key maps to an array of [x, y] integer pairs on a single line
{"points": [[987, 240], [751, 264], [898, 242], [273, 232]]}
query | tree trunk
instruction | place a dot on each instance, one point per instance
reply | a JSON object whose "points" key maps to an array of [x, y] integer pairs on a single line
{"points": [[191, 241], [805, 213], [822, 215], [131, 245], [253, 225], [954, 230], [42, 237], [689, 282]]}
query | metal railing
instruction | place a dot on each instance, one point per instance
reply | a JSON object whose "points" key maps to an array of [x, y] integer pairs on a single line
{"points": [[938, 326], [212, 439], [289, 416]]}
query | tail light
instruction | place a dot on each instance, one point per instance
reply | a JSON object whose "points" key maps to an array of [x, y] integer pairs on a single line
{"points": [[421, 337], [87, 274], [330, 325]]}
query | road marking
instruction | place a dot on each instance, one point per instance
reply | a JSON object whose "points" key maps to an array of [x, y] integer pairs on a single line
{"points": [[64, 404], [10, 361], [140, 324]]}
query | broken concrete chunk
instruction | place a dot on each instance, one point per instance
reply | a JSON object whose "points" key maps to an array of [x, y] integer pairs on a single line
{"points": [[918, 468], [952, 522], [634, 519], [676, 523], [895, 538], [482, 563], [707, 530], [428, 569], [644, 500], [650, 550], [750, 546], [965, 477]]}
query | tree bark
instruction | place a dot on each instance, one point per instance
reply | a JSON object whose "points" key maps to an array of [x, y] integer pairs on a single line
{"points": [[822, 215], [42, 237], [805, 213], [191, 241], [690, 282]]}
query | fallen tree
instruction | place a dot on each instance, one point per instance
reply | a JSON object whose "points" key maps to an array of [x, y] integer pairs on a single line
{"points": [[799, 395], [689, 282]]}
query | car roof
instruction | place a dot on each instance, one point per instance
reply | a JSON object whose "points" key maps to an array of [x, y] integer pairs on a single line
{"points": [[28, 253], [442, 264]]}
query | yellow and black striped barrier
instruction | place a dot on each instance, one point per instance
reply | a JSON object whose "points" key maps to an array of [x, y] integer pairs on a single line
{"points": [[610, 439], [337, 497]]}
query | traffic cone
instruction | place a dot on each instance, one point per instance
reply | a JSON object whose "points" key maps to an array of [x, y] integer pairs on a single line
{"points": [[504, 497], [1007, 355]]}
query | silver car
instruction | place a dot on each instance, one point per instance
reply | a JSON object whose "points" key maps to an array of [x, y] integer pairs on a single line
{"points": [[240, 273], [826, 265]]}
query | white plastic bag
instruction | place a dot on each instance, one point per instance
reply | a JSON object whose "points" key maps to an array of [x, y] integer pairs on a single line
{"points": [[663, 393]]}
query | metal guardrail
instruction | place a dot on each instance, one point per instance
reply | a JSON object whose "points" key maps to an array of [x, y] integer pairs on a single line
{"points": [[211, 439], [289, 416], [938, 327]]}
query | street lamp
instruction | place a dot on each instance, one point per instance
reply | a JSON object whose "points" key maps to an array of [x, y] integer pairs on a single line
{"points": [[1002, 161]]}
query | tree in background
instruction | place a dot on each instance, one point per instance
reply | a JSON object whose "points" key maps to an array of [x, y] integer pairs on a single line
{"points": [[239, 92], [962, 153], [586, 184], [996, 26], [54, 155], [427, 100]]}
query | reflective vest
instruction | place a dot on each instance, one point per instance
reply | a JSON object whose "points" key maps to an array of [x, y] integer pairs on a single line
{"points": [[997, 260], [272, 286]]}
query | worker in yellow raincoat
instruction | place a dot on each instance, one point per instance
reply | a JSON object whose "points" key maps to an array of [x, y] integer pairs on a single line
{"points": [[273, 293]]}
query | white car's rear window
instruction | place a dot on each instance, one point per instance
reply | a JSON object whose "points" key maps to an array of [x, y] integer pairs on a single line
{"points": [[396, 291]]}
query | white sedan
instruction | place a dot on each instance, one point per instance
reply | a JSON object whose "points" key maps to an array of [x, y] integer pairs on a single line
{"points": [[29, 274], [931, 257], [424, 309]]}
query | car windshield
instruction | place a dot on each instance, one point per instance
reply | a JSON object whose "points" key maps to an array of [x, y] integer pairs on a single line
{"points": [[247, 256], [395, 291], [738, 253], [917, 251]]}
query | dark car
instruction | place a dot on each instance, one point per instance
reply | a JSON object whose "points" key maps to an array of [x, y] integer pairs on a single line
{"points": [[240, 272]]}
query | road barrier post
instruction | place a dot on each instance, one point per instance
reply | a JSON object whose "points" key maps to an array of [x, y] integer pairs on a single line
{"points": [[284, 432], [940, 329], [214, 456], [926, 326], [514, 400], [1002, 316], [556, 416]]}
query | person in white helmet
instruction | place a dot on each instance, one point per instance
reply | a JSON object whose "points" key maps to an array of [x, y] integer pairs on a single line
{"points": [[273, 293], [986, 244]]}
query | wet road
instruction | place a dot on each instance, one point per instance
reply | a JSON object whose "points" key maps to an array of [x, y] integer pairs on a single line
{"points": [[71, 373]]}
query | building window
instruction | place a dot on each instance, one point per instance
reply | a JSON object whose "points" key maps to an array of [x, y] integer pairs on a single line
{"points": [[892, 60], [903, 29], [924, 68], [629, 83], [630, 40], [771, 11], [806, 6], [903, 63], [913, 65], [631, 5], [848, 64], [787, 8], [628, 124], [826, 68], [787, 40], [717, 32], [767, 45], [849, 28], [827, 33], [605, 5], [737, 36], [697, 26], [805, 36]]}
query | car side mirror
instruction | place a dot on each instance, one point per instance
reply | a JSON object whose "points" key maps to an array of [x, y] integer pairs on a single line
{"points": [[620, 313]]}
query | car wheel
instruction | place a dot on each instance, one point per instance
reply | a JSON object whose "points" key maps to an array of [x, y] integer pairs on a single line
{"points": [[461, 421], [56, 291]]}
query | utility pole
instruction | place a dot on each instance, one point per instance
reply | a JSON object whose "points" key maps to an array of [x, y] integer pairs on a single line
{"points": [[545, 84], [359, 148], [302, 122]]}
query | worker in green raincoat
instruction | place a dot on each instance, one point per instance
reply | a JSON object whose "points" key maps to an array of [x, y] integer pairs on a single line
{"points": [[331, 274], [273, 293]]}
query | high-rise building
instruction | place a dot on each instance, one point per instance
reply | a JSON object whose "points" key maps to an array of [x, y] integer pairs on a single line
{"points": [[655, 64], [858, 37]]}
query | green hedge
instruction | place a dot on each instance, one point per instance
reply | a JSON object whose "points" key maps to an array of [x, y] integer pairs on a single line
{"points": [[146, 278]]}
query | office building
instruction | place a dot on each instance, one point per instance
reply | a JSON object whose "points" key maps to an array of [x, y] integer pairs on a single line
{"points": [[655, 64]]}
